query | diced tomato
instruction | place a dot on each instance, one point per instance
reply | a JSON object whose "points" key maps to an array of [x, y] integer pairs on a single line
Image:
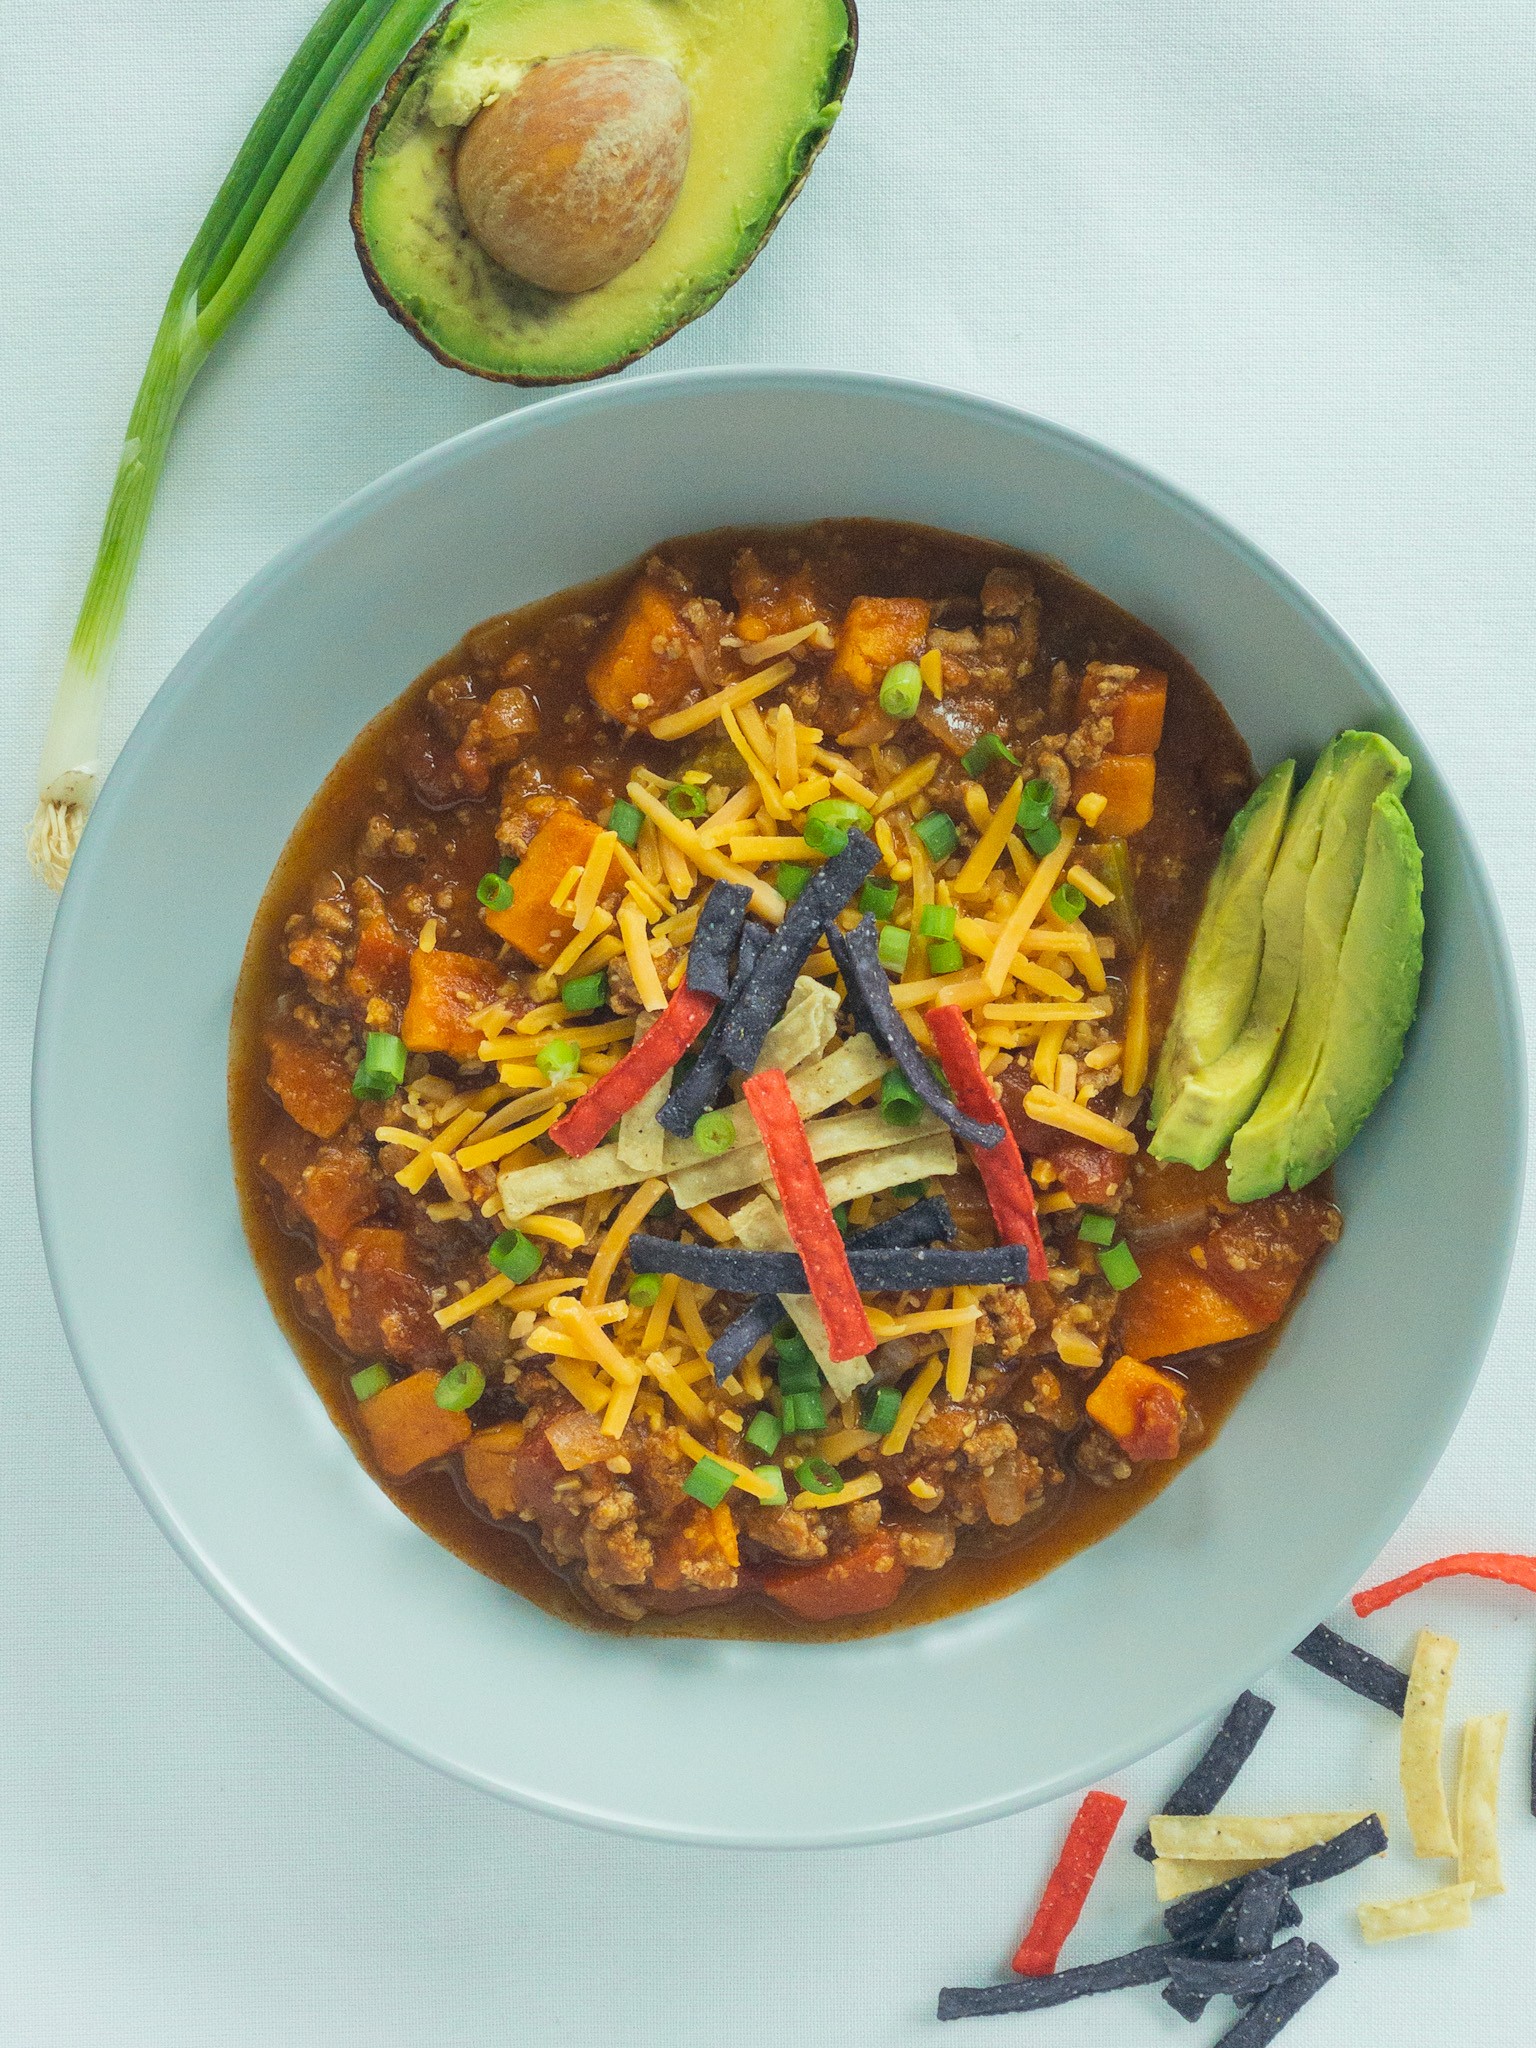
{"points": [[1091, 1174], [859, 1581], [312, 1083], [407, 1429], [381, 968], [448, 990], [1259, 1253]]}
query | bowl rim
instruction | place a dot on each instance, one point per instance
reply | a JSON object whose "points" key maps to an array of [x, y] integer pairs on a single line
{"points": [[185, 678]]}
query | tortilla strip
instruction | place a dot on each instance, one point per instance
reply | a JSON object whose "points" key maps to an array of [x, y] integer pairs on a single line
{"points": [[812, 1089], [641, 1139], [872, 1172], [1175, 1876], [1221, 1837], [1425, 1913], [528, 1188], [1429, 1683], [761, 1228], [1477, 1804], [831, 1137], [806, 1028]]}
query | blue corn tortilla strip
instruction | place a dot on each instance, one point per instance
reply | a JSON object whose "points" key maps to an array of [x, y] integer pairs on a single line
{"points": [[1198, 1911], [1247, 1977], [921, 1223], [702, 1086], [714, 938], [1189, 2005], [1277, 2008], [857, 954], [875, 1271], [757, 1000], [1211, 1778], [1371, 1677], [1034, 1994], [1222, 1938], [1249, 1923]]}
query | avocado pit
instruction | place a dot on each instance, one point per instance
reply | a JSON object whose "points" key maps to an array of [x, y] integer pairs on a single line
{"points": [[568, 180]]}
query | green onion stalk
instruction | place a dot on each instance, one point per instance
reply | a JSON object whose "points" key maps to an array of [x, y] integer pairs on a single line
{"points": [[338, 72]]}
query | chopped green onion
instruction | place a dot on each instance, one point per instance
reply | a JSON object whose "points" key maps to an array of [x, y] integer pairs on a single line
{"points": [[1096, 1228], [817, 1476], [911, 1191], [495, 892], [1040, 792], [626, 821], [789, 878], [515, 1257], [709, 1481], [902, 690], [945, 956], [665, 1206], [1044, 838], [460, 1386], [827, 824], [898, 1104], [798, 1371], [373, 1379], [382, 1068], [937, 921], [686, 800], [1068, 902], [988, 749], [763, 1432], [840, 1218], [804, 1412], [894, 947], [586, 992], [881, 1407], [715, 1132], [644, 1290], [1118, 1267], [559, 1060], [773, 1479], [878, 898], [505, 865], [938, 834]]}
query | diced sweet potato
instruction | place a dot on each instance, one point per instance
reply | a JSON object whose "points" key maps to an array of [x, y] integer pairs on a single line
{"points": [[338, 1190], [642, 669], [1259, 1254], [577, 1439], [768, 604], [860, 1581], [1167, 1198], [1174, 1308], [1126, 782], [876, 633], [532, 924], [377, 1301], [406, 1428], [1134, 699], [1141, 1408], [690, 1559], [490, 1467], [312, 1083], [447, 991], [380, 970]]}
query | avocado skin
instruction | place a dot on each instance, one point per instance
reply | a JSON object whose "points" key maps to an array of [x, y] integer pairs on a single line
{"points": [[1211, 1102], [1375, 997], [812, 142], [1366, 766], [1222, 970]]}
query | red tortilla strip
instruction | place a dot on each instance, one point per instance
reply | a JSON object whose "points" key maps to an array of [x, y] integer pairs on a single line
{"points": [[1068, 1886], [1005, 1177], [808, 1215], [679, 1024], [1508, 1567]]}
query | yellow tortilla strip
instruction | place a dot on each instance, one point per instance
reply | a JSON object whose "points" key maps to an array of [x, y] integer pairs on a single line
{"points": [[1173, 1876], [641, 1140], [761, 1228], [528, 1188], [812, 1088], [830, 1137], [1429, 1684], [872, 1172], [1477, 1804], [1223, 1837], [1425, 1913], [806, 1028]]}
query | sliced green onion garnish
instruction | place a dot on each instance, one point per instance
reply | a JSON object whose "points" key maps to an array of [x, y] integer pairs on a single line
{"points": [[559, 1060], [644, 1290], [789, 878], [1068, 902], [586, 992], [911, 1191], [1118, 1267], [798, 1372], [686, 800], [773, 1479], [715, 1132], [515, 1257], [373, 1379], [626, 821], [938, 834], [1096, 1228], [804, 1412], [894, 947], [937, 921], [709, 1481], [505, 865], [902, 690], [898, 1104], [460, 1386], [1040, 791], [382, 1068], [989, 748], [945, 956], [840, 1218], [817, 1476], [763, 1432], [878, 898], [495, 892], [881, 1407], [827, 824], [1044, 838]]}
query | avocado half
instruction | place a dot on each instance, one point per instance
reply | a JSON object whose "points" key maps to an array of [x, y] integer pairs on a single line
{"points": [[765, 81]]}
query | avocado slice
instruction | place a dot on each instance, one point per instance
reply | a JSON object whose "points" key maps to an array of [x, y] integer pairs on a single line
{"points": [[1222, 970], [765, 80], [1365, 767], [1212, 1101], [1375, 995]]}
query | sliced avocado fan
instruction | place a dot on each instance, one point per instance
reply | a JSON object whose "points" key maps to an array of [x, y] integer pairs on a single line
{"points": [[764, 80]]}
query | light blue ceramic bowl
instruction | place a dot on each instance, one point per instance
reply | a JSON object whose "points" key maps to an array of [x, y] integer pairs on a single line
{"points": [[1115, 1653]]}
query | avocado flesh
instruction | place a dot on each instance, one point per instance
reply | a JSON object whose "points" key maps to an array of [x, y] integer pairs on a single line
{"points": [[1366, 766], [1212, 1101], [1375, 995], [1222, 970], [764, 80]]}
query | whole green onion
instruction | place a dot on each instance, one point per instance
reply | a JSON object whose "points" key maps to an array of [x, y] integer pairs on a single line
{"points": [[338, 71]]}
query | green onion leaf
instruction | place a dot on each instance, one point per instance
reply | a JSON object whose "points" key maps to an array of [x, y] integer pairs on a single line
{"points": [[763, 1432], [804, 1412], [911, 1191], [494, 892], [1044, 838], [817, 1476], [988, 750], [938, 834], [644, 1290], [1118, 1267], [937, 921], [894, 947], [773, 1479], [505, 865], [686, 800], [898, 1104], [902, 690], [715, 1132], [1068, 902], [881, 1405], [515, 1257], [586, 992], [382, 1068], [373, 1379], [840, 1218], [828, 823], [1096, 1228], [460, 1386], [945, 956], [709, 1481], [878, 898], [789, 878], [626, 821], [560, 1060]]}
